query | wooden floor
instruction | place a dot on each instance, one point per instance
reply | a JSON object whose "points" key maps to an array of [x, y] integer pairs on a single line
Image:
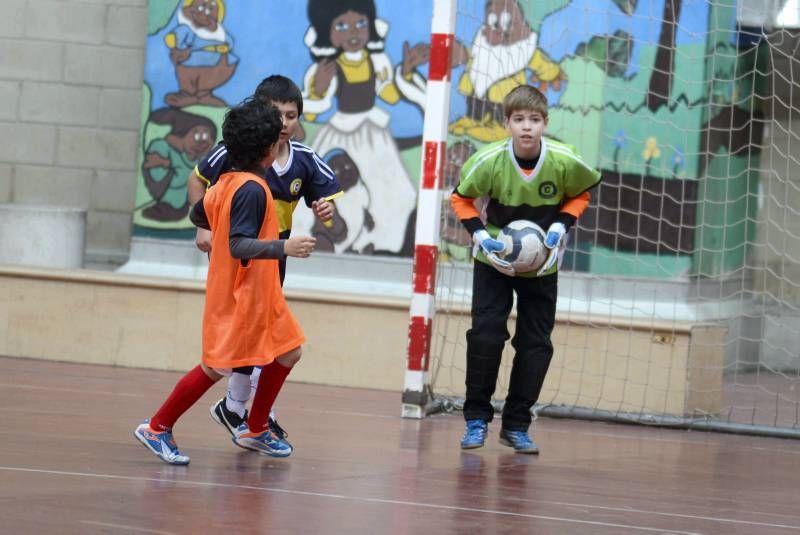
{"points": [[69, 464]]}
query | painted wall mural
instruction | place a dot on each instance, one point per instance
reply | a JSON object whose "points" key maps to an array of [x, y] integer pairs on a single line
{"points": [[202, 53], [346, 41], [636, 86], [360, 65]]}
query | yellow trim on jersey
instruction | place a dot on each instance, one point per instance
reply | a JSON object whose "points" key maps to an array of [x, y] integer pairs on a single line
{"points": [[199, 175], [284, 209], [335, 195]]}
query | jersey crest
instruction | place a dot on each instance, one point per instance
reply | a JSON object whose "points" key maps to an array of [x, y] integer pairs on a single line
{"points": [[295, 186], [547, 189]]}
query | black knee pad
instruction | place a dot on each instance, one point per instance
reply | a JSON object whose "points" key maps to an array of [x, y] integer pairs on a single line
{"points": [[483, 345]]}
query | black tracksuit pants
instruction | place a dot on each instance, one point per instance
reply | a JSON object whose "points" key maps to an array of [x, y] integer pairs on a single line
{"points": [[492, 300]]}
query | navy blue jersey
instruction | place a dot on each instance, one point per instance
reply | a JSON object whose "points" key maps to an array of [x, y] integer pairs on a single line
{"points": [[248, 208], [304, 175]]}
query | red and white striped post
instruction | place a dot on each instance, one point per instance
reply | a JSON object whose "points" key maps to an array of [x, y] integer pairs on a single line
{"points": [[417, 398]]}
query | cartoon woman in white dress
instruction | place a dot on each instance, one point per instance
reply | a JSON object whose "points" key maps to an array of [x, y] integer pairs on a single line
{"points": [[346, 43]]}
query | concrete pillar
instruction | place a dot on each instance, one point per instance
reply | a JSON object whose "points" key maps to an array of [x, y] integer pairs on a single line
{"points": [[45, 236]]}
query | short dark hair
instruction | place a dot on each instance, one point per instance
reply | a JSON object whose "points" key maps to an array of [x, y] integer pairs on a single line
{"points": [[527, 98], [277, 88], [249, 130]]}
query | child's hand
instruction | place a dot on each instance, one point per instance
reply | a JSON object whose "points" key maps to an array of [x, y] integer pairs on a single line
{"points": [[489, 245], [203, 240], [299, 246], [554, 235], [491, 248], [323, 210], [503, 266]]}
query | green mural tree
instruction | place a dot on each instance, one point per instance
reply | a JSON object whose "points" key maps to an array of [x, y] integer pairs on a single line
{"points": [[535, 12], [159, 14], [627, 6]]}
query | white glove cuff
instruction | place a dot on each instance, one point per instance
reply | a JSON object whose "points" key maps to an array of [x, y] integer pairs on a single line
{"points": [[481, 235]]}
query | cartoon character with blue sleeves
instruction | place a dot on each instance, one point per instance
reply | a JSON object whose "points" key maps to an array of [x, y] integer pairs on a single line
{"points": [[200, 49]]}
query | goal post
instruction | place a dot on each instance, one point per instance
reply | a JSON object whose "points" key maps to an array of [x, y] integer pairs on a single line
{"points": [[417, 398], [678, 300]]}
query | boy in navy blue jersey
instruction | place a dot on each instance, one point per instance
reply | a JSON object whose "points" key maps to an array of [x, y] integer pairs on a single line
{"points": [[298, 172]]}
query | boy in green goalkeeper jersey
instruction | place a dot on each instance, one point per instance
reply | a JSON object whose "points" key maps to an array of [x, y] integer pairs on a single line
{"points": [[525, 177]]}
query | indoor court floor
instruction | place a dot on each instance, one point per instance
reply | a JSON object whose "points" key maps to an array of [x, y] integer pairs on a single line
{"points": [[70, 464]]}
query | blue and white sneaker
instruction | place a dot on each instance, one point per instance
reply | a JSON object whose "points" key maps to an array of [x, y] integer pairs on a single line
{"points": [[265, 442], [161, 443], [519, 440], [474, 434], [279, 431]]}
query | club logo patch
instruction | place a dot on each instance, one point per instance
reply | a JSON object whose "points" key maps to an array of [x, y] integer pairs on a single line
{"points": [[295, 186], [547, 190]]}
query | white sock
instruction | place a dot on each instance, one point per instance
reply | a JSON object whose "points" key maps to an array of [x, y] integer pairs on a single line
{"points": [[238, 393], [254, 381]]}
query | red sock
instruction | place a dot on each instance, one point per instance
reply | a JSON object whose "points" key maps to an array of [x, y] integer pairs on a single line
{"points": [[269, 384], [189, 389]]}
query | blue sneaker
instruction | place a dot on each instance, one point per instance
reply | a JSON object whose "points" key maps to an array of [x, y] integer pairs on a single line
{"points": [[161, 443], [519, 440], [474, 434], [279, 431], [265, 442]]}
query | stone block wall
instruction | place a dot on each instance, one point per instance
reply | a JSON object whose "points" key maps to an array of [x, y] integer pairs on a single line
{"points": [[70, 96]]}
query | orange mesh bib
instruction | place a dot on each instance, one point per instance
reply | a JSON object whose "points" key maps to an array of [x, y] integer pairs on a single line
{"points": [[246, 321]]}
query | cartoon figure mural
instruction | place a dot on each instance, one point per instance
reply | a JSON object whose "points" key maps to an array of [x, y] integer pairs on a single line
{"points": [[505, 49], [627, 89], [200, 49], [346, 41], [622, 78], [354, 204], [168, 161]]}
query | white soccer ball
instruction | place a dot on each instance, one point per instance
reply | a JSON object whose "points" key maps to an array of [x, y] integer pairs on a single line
{"points": [[524, 245]]}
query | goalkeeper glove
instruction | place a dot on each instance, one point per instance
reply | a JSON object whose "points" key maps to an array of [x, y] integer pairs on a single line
{"points": [[490, 248], [489, 245], [555, 234]]}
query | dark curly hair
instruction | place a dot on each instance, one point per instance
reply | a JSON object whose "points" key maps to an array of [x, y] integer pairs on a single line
{"points": [[277, 88], [249, 130]]}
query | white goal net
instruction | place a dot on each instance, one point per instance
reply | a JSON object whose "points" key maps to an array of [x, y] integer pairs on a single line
{"points": [[679, 294]]}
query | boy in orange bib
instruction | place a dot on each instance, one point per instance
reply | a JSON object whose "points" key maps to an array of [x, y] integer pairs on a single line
{"points": [[246, 321]]}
